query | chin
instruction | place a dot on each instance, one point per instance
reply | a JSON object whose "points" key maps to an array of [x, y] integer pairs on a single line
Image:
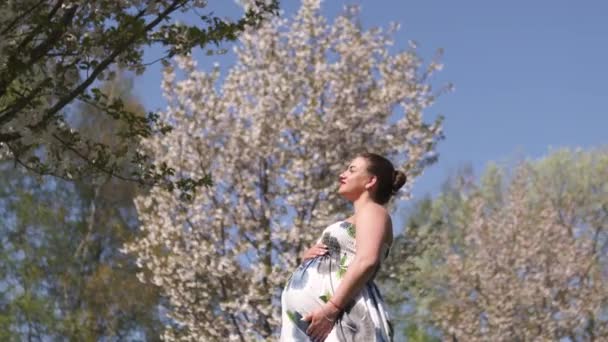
{"points": [[344, 194]]}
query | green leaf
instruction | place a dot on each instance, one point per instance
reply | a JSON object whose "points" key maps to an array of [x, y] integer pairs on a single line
{"points": [[342, 269], [325, 297], [351, 230], [291, 316]]}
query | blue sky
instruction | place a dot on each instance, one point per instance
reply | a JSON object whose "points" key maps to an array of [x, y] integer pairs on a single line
{"points": [[528, 75]]}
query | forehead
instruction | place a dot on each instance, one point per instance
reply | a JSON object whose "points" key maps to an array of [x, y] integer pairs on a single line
{"points": [[358, 162]]}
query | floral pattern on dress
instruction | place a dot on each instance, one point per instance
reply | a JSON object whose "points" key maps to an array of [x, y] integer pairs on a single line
{"points": [[313, 283]]}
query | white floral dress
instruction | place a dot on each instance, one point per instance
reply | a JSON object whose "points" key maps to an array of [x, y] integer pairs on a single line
{"points": [[364, 319]]}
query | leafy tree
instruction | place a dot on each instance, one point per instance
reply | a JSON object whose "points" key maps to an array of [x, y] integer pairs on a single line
{"points": [[411, 277], [520, 255], [399, 276], [53, 52], [63, 274]]}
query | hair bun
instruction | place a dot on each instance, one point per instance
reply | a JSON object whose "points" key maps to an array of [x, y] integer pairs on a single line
{"points": [[399, 179]]}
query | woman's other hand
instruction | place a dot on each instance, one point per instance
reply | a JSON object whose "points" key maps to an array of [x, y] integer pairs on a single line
{"points": [[322, 320]]}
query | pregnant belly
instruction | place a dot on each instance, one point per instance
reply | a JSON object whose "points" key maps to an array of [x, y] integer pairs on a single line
{"points": [[309, 286]]}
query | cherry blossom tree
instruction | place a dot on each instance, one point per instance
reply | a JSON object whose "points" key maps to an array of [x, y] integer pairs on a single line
{"points": [[302, 99]]}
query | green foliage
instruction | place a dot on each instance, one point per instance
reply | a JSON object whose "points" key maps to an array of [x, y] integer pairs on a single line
{"points": [[53, 53], [414, 278], [342, 268], [415, 333], [409, 268], [65, 280], [59, 258]]}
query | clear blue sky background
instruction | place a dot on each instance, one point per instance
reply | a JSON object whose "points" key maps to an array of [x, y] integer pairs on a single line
{"points": [[529, 75]]}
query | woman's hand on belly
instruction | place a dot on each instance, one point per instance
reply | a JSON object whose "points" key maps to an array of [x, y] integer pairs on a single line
{"points": [[314, 251]]}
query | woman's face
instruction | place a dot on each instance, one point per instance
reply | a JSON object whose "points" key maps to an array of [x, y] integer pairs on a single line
{"points": [[355, 179]]}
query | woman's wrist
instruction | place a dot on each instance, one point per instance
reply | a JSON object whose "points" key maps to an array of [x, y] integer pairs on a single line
{"points": [[333, 303], [332, 309], [331, 312]]}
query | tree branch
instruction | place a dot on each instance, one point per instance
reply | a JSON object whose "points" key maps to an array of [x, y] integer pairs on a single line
{"points": [[97, 167], [38, 52], [18, 18], [102, 66], [5, 116], [39, 28]]}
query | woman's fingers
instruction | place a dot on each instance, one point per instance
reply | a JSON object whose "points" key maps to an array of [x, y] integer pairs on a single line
{"points": [[321, 251], [315, 251], [311, 327], [316, 332]]}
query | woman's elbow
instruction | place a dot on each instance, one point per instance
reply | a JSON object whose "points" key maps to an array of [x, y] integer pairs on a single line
{"points": [[368, 263]]}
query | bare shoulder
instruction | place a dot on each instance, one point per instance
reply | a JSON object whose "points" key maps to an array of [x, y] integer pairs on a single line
{"points": [[375, 213], [376, 209], [376, 218]]}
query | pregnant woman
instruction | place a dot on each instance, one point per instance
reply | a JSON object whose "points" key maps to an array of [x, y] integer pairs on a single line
{"points": [[331, 296]]}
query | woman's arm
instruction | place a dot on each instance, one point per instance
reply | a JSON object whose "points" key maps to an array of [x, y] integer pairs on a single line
{"points": [[372, 225]]}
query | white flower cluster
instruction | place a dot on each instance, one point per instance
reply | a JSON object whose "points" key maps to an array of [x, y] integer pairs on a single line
{"points": [[5, 153], [303, 98]]}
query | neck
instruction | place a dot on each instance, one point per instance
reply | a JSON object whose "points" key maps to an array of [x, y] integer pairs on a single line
{"points": [[360, 202]]}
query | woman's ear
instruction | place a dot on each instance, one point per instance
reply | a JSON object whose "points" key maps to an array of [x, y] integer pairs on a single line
{"points": [[370, 184]]}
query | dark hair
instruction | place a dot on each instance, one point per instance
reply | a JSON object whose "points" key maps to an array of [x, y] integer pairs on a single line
{"points": [[389, 179]]}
